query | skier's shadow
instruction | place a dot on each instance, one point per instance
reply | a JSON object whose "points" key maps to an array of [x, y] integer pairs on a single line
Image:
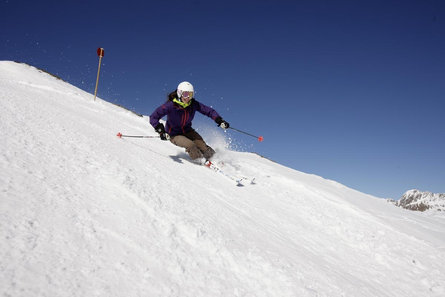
{"points": [[180, 158]]}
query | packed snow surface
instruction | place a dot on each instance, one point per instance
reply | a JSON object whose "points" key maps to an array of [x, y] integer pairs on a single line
{"points": [[85, 213]]}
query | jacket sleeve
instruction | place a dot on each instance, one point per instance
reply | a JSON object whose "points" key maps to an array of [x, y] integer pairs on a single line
{"points": [[207, 110], [158, 114]]}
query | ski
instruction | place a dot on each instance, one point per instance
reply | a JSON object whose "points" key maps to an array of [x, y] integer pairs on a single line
{"points": [[238, 181]]}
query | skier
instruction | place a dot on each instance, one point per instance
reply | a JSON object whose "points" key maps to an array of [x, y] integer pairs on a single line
{"points": [[180, 110]]}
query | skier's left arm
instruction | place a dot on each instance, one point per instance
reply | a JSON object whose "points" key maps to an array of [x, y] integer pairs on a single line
{"points": [[211, 113]]}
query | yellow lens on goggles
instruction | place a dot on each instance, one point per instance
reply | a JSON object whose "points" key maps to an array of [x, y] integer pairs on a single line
{"points": [[187, 94]]}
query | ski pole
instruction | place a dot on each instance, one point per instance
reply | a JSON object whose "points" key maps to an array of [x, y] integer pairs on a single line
{"points": [[100, 53], [120, 135], [260, 138]]}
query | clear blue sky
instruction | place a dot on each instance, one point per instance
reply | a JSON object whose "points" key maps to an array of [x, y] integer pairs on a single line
{"points": [[353, 91]]}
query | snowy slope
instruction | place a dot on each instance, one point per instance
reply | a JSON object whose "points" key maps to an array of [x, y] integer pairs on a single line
{"points": [[84, 213]]}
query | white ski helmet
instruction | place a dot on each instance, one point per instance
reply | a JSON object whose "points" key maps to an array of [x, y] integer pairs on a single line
{"points": [[185, 86]]}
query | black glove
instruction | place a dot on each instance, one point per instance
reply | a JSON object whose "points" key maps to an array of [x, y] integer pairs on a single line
{"points": [[161, 130], [221, 123], [164, 136]]}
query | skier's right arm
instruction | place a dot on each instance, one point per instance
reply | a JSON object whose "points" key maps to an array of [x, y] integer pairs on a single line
{"points": [[159, 113]]}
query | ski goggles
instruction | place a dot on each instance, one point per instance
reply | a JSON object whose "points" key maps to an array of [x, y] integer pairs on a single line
{"points": [[187, 94]]}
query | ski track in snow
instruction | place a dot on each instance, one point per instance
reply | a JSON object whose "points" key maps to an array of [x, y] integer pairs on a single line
{"points": [[84, 213]]}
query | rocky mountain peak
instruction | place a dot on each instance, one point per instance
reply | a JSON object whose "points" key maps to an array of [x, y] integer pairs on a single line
{"points": [[421, 201]]}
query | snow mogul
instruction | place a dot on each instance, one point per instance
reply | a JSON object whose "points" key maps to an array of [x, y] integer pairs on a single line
{"points": [[180, 110]]}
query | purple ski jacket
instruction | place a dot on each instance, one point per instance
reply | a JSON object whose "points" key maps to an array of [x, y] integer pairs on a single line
{"points": [[179, 119]]}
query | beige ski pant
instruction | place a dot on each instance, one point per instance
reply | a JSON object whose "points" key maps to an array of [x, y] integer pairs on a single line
{"points": [[194, 145]]}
